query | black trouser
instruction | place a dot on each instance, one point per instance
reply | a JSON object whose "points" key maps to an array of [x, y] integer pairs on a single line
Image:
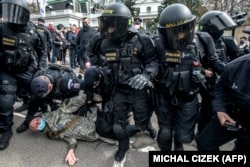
{"points": [[215, 135], [8, 88], [64, 51], [137, 102], [81, 62], [49, 57], [206, 110], [178, 116], [72, 56]]}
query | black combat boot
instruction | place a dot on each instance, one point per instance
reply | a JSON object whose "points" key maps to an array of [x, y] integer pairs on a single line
{"points": [[151, 130], [22, 128], [178, 146], [4, 139], [24, 106], [122, 149]]}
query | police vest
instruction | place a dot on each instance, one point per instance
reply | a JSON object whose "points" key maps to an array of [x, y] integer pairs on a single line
{"points": [[122, 62], [16, 52], [221, 51], [177, 70]]}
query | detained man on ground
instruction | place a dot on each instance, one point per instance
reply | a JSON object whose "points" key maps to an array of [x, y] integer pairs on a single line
{"points": [[71, 121]]}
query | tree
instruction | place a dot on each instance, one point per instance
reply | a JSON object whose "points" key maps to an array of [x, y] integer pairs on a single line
{"points": [[131, 5], [232, 7], [229, 6], [34, 6], [195, 6]]}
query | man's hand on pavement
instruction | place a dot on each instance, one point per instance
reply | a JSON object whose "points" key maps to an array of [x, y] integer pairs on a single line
{"points": [[70, 158]]}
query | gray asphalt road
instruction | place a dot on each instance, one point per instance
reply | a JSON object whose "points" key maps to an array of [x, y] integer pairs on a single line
{"points": [[31, 149]]}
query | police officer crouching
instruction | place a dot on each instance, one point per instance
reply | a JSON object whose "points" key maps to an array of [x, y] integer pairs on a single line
{"points": [[55, 82], [20, 43]]}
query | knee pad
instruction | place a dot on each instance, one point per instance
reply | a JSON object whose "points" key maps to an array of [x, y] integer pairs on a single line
{"points": [[141, 121], [119, 131], [184, 138], [131, 130], [164, 139]]}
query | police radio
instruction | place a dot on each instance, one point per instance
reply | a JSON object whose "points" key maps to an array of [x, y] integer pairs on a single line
{"points": [[198, 77]]}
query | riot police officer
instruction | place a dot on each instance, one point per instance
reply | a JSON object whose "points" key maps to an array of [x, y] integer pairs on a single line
{"points": [[215, 23], [215, 51], [20, 44], [54, 82], [129, 63], [179, 78], [42, 29]]}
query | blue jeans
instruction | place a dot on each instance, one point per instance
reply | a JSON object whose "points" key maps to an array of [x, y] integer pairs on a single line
{"points": [[54, 59]]}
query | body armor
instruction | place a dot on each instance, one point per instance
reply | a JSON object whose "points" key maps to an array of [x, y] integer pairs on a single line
{"points": [[16, 49], [221, 51], [122, 62], [178, 69]]}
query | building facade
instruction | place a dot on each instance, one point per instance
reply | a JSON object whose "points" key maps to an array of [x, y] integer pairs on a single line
{"points": [[68, 12]]}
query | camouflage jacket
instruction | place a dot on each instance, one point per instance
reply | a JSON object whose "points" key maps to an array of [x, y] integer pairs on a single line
{"points": [[83, 129]]}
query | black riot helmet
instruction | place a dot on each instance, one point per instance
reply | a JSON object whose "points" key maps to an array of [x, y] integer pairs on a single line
{"points": [[115, 21], [215, 22], [176, 26], [14, 12]]}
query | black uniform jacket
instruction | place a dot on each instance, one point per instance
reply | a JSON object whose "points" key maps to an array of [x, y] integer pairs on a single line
{"points": [[232, 92]]}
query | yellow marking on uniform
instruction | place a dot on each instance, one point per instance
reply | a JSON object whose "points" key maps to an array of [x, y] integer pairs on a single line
{"points": [[175, 60], [173, 54], [176, 23], [108, 11], [110, 54]]}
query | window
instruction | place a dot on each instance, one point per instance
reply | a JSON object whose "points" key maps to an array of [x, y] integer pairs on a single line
{"points": [[148, 9]]}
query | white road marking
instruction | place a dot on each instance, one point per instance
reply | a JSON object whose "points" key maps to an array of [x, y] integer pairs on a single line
{"points": [[147, 149], [20, 115], [119, 164]]}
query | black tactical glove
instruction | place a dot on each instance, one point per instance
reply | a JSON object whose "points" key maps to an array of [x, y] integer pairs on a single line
{"points": [[109, 106], [139, 81], [84, 110]]}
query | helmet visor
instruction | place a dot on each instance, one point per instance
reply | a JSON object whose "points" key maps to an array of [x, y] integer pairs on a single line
{"points": [[177, 37], [112, 27], [13, 13], [222, 22]]}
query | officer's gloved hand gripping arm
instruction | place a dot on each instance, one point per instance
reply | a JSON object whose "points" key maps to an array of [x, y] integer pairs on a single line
{"points": [[140, 81], [151, 67]]}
